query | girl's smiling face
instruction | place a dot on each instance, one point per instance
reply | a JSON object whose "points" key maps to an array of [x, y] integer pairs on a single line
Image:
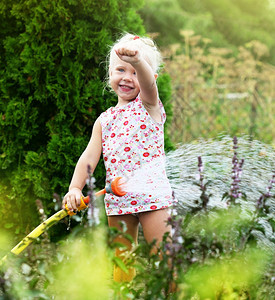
{"points": [[123, 80]]}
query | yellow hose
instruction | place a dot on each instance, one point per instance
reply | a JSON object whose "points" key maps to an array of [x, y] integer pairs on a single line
{"points": [[115, 188], [43, 227]]}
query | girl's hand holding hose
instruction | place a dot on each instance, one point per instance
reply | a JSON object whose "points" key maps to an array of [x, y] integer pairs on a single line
{"points": [[72, 199]]}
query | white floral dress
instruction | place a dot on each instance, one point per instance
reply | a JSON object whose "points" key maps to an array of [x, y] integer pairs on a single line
{"points": [[133, 148]]}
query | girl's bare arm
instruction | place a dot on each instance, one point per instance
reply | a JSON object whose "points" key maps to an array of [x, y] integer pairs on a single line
{"points": [[90, 157]]}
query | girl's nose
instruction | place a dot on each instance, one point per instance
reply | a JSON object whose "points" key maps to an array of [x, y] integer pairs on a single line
{"points": [[127, 77]]}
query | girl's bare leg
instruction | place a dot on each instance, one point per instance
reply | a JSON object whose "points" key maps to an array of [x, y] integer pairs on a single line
{"points": [[132, 229], [154, 225]]}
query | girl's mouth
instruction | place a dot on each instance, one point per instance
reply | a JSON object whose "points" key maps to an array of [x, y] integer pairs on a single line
{"points": [[125, 88]]}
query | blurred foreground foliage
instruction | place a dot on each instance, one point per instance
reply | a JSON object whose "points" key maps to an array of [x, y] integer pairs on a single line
{"points": [[206, 263]]}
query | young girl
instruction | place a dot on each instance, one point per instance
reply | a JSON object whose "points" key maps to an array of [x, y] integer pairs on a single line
{"points": [[131, 137]]}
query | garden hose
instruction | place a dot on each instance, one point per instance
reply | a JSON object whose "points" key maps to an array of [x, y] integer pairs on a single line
{"points": [[44, 226], [115, 187]]}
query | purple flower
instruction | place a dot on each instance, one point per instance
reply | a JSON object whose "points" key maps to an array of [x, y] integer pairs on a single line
{"points": [[234, 192]]}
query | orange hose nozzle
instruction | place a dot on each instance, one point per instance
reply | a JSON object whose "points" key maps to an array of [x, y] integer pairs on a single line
{"points": [[101, 192], [86, 200], [84, 204], [115, 187]]}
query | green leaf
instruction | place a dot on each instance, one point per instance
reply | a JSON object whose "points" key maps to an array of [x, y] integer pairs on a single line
{"points": [[118, 261], [9, 225]]}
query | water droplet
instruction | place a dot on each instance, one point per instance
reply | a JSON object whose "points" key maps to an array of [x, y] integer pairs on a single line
{"points": [[69, 223], [82, 212]]}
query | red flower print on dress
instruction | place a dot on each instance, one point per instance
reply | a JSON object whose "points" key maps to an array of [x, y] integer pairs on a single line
{"points": [[143, 126], [113, 135], [153, 207], [146, 154], [134, 202], [125, 123], [127, 149], [113, 160]]}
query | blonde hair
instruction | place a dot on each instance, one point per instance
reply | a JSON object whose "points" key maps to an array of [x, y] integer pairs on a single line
{"points": [[144, 45]]}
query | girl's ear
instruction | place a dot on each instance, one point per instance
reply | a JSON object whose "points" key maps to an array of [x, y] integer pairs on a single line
{"points": [[156, 76]]}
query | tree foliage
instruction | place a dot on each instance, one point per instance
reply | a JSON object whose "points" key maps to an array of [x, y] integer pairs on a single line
{"points": [[52, 70], [225, 22], [164, 17]]}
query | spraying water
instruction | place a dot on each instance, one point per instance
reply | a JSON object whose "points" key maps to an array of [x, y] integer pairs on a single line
{"points": [[148, 179], [257, 171], [257, 177]]}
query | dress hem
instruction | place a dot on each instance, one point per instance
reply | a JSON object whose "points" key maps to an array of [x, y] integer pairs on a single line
{"points": [[130, 212]]}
